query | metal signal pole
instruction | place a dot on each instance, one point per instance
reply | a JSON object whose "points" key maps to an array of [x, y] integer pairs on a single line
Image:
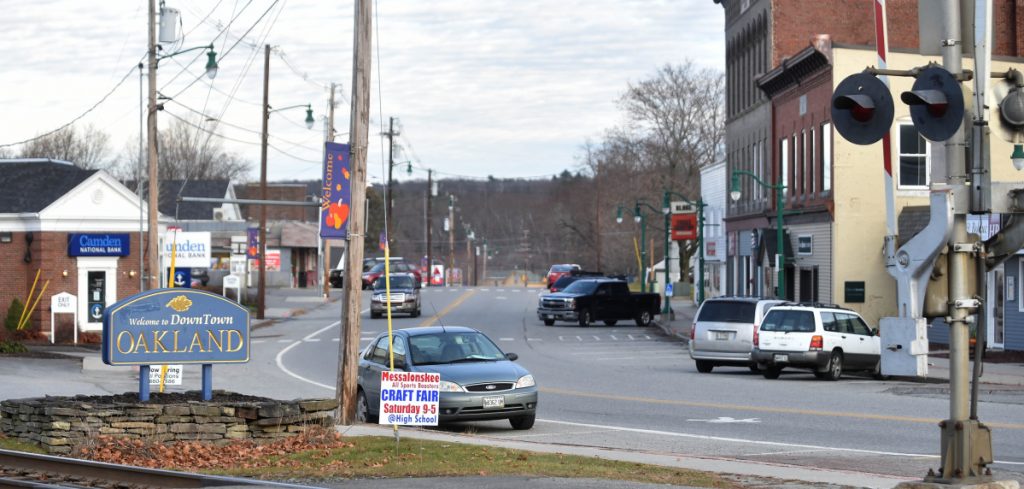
{"points": [[430, 195], [359, 141]]}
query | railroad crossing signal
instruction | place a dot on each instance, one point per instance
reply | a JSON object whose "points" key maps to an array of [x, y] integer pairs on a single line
{"points": [[862, 108], [936, 104]]}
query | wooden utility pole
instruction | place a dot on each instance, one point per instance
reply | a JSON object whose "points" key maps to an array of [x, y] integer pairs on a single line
{"points": [[327, 242], [391, 167], [153, 245], [261, 291], [359, 141], [451, 238]]}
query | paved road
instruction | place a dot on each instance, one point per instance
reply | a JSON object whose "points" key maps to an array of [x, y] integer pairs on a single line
{"points": [[632, 390]]}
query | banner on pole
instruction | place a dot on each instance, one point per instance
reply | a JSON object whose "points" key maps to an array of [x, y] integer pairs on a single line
{"points": [[336, 192]]}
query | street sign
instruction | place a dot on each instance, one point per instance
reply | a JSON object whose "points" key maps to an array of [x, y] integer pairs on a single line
{"points": [[409, 398], [182, 277], [680, 207]]}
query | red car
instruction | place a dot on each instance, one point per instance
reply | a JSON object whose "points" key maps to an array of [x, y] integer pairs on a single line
{"points": [[396, 267], [558, 271]]}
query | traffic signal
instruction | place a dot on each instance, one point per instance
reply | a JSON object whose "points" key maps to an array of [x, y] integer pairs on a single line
{"points": [[862, 108], [936, 103], [1008, 114]]}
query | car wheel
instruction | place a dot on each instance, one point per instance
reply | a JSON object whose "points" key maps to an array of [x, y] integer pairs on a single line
{"points": [[835, 366], [374, 315], [771, 372], [522, 422], [415, 313], [549, 322], [585, 318], [704, 366], [610, 322], [362, 408], [643, 319]]}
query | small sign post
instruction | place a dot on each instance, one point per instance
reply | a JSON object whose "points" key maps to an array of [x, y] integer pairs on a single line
{"points": [[67, 304]]}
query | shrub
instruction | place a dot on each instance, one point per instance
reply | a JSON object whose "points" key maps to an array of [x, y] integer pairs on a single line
{"points": [[14, 314]]}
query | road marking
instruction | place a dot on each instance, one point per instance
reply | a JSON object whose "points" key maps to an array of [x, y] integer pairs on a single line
{"points": [[501, 298], [597, 338], [338, 340], [579, 338], [257, 341], [613, 337], [500, 290], [312, 339], [507, 339], [515, 290], [645, 357], [764, 409], [605, 350], [726, 419], [284, 341], [535, 339], [466, 295], [280, 357], [484, 290]]}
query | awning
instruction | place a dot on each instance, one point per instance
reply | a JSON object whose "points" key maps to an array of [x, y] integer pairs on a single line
{"points": [[766, 246]]}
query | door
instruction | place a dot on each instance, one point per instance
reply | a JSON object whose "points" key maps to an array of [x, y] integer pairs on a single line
{"points": [[997, 290], [97, 289], [859, 343]]}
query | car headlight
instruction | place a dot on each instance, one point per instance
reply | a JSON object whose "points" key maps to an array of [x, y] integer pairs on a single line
{"points": [[571, 303], [446, 386], [525, 381]]}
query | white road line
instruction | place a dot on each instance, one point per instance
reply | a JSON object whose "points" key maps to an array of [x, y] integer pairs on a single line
{"points": [[501, 290], [338, 340], [312, 339], [597, 338], [579, 338], [613, 337], [501, 298], [289, 341], [484, 290], [561, 338], [279, 359], [535, 339], [257, 341], [507, 339], [515, 290], [645, 357], [606, 351]]}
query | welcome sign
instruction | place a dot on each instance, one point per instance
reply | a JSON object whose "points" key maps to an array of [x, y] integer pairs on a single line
{"points": [[175, 326], [336, 192]]}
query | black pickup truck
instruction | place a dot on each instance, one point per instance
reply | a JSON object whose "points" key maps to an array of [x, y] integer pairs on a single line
{"points": [[598, 299]]}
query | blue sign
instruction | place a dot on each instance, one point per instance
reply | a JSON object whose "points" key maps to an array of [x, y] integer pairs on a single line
{"points": [[98, 244], [182, 277], [252, 247], [173, 326], [336, 192]]}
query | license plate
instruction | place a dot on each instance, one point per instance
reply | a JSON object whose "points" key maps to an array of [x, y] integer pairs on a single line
{"points": [[781, 358], [722, 335], [494, 402], [549, 316]]}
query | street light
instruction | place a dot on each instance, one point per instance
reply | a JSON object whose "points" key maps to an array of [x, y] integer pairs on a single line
{"points": [[780, 255], [638, 217], [262, 289], [667, 210]]}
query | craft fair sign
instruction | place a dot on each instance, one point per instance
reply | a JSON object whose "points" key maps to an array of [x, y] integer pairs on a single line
{"points": [[175, 326], [409, 398]]}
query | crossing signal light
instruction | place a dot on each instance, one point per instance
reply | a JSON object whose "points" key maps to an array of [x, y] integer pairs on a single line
{"points": [[862, 109], [1007, 115], [936, 104]]}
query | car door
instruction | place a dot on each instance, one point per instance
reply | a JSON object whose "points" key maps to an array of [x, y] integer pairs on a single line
{"points": [[369, 372], [620, 301], [602, 306], [861, 342]]}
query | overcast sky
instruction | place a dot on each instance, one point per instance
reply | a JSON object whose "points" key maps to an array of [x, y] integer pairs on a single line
{"points": [[482, 87]]}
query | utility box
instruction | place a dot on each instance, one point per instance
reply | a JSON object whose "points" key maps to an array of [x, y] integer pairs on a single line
{"points": [[168, 25], [904, 343]]}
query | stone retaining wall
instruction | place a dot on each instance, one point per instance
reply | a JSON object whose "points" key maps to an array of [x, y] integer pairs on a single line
{"points": [[59, 424]]}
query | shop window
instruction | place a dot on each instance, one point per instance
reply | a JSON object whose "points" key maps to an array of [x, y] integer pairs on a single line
{"points": [[914, 159]]}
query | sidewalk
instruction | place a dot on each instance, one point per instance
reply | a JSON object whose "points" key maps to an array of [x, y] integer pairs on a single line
{"points": [[1009, 374]]}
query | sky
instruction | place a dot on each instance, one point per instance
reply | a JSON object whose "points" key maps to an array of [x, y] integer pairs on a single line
{"points": [[509, 88]]}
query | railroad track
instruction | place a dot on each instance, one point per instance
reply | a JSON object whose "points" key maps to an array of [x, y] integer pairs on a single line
{"points": [[20, 469]]}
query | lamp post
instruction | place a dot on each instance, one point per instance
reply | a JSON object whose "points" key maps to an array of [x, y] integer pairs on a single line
{"points": [[153, 188], [639, 218], [780, 255], [667, 209], [261, 293]]}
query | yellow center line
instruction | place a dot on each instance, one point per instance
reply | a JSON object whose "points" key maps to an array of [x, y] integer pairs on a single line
{"points": [[779, 410], [436, 317]]}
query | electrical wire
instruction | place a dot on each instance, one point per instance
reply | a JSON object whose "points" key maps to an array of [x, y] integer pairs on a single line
{"points": [[83, 114]]}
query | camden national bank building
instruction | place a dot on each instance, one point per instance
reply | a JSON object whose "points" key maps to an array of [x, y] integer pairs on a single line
{"points": [[78, 230]]}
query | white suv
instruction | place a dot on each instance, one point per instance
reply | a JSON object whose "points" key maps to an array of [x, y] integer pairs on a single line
{"points": [[826, 339]]}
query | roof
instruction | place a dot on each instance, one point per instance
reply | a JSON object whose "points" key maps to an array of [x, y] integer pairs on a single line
{"points": [[438, 329], [792, 71], [170, 190], [28, 185]]}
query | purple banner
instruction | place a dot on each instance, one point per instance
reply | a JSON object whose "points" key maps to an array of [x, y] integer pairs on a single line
{"points": [[252, 247], [336, 192]]}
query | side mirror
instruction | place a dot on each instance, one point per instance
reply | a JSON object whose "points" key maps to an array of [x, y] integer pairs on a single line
{"points": [[417, 285], [512, 356]]}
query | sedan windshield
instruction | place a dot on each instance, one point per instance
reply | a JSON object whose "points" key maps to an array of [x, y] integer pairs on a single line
{"points": [[440, 348], [397, 282], [581, 287]]}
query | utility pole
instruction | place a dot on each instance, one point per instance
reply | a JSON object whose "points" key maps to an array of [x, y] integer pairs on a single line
{"points": [[451, 237], [430, 195], [391, 166], [261, 291], [484, 274], [359, 141], [327, 243], [153, 246], [469, 256]]}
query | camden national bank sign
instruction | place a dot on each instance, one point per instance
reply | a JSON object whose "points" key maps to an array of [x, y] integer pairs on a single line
{"points": [[175, 326], [98, 244]]}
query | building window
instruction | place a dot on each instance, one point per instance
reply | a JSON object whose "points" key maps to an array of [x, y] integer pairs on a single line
{"points": [[805, 164], [812, 184], [784, 164], [914, 157], [805, 245], [826, 157]]}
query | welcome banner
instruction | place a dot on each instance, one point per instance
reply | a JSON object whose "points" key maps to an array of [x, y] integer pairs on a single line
{"points": [[336, 192]]}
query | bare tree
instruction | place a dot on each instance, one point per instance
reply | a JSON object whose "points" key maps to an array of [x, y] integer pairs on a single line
{"points": [[186, 152], [87, 148]]}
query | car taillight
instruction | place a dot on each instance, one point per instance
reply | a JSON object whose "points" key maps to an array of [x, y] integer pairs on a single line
{"points": [[816, 342], [693, 331], [757, 339]]}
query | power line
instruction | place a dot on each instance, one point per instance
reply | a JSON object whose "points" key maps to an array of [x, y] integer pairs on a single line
{"points": [[83, 114]]}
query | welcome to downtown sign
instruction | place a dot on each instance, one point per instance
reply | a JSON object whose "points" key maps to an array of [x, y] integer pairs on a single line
{"points": [[175, 326]]}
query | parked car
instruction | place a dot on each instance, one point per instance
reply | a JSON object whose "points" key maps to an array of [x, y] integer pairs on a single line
{"points": [[828, 340], [395, 267], [723, 331], [336, 277], [598, 299], [478, 380], [565, 280], [558, 271], [200, 275], [405, 296]]}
